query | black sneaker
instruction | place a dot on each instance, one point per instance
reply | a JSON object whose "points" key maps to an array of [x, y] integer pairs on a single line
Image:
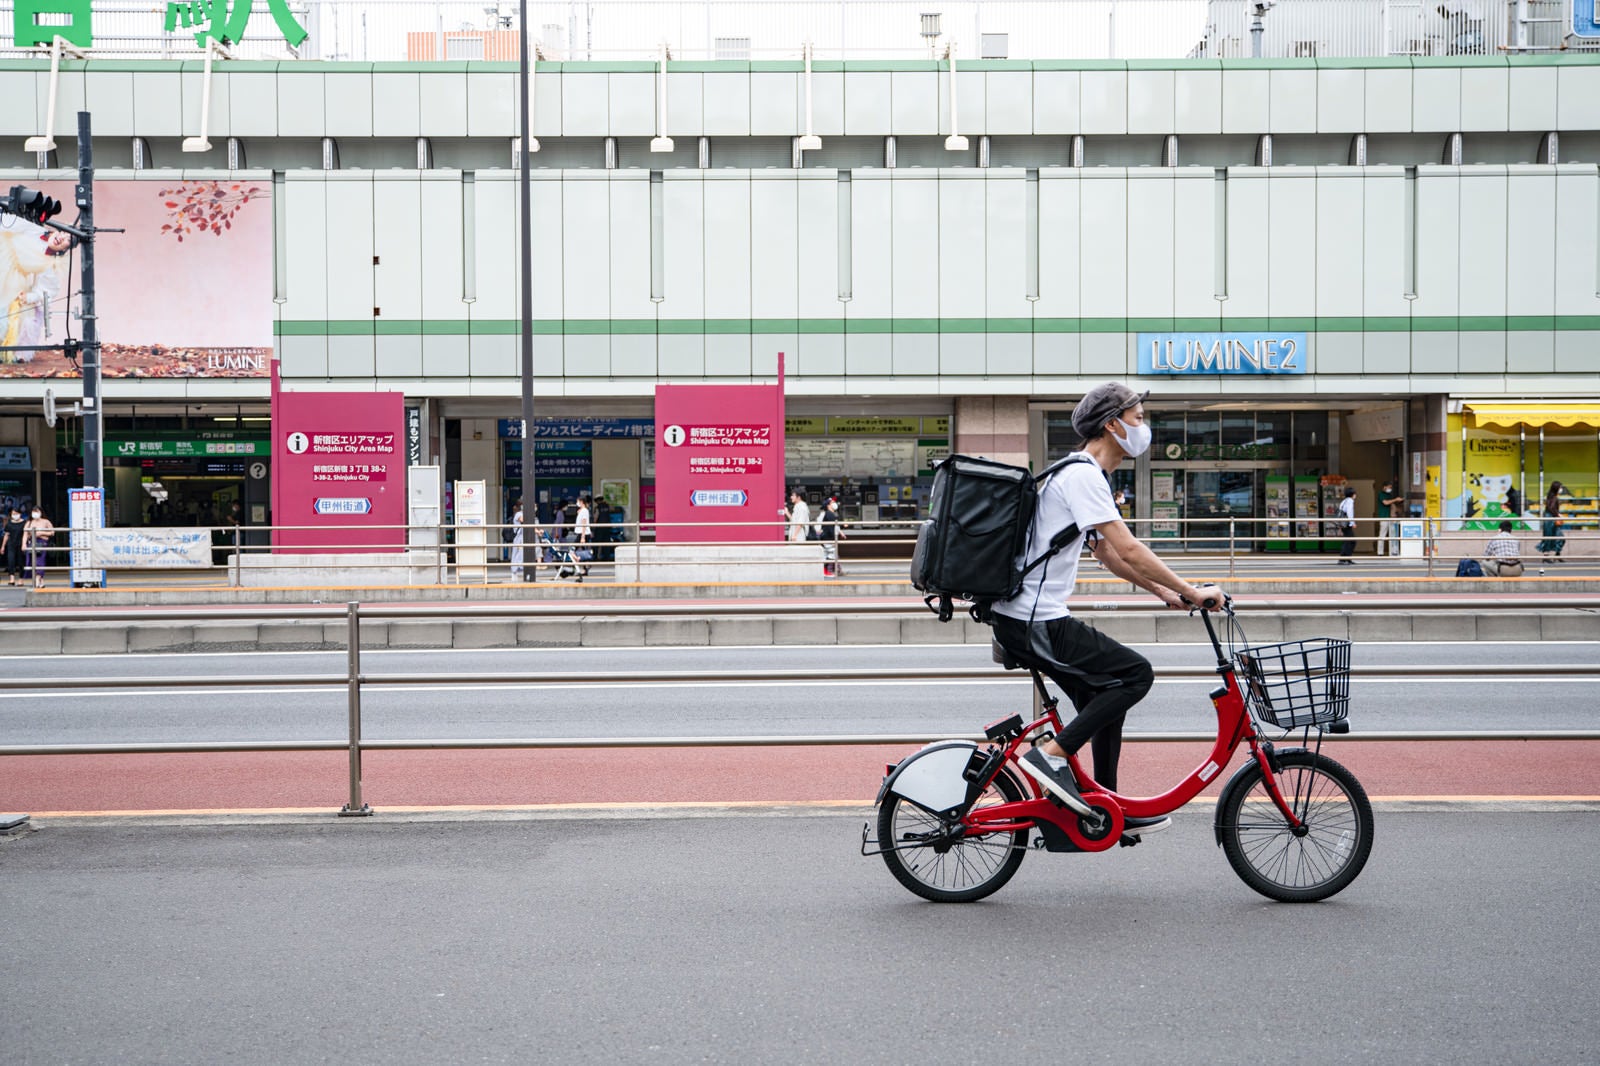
{"points": [[1134, 827], [1055, 775]]}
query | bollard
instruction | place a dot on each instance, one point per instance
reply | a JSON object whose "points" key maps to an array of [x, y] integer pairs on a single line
{"points": [[355, 808]]}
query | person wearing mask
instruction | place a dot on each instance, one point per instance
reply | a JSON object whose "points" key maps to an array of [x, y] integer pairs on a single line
{"points": [[1389, 504], [1553, 541], [36, 534], [11, 544], [1347, 526], [832, 534], [1101, 677], [799, 517]]}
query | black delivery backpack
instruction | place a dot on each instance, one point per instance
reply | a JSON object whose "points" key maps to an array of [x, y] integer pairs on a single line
{"points": [[980, 514]]}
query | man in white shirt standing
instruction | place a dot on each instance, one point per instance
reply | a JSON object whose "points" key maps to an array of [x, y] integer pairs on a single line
{"points": [[1347, 526], [581, 531], [1101, 677], [799, 516]]}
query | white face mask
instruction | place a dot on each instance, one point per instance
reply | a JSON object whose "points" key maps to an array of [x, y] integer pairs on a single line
{"points": [[36, 514], [1137, 440]]}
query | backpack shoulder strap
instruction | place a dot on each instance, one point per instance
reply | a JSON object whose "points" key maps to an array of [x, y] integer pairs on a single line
{"points": [[1070, 533]]}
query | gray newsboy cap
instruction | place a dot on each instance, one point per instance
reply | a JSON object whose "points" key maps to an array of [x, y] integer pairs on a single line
{"points": [[1100, 405]]}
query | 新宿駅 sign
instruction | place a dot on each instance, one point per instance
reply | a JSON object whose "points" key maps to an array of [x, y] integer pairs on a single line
{"points": [[1230, 354], [224, 21]]}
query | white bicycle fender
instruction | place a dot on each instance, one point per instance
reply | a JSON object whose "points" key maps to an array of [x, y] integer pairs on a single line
{"points": [[932, 778]]}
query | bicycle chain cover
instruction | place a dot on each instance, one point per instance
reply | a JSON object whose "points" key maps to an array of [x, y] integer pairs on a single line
{"points": [[1004, 729]]}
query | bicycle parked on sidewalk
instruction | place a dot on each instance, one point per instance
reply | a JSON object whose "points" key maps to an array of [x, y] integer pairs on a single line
{"points": [[954, 819]]}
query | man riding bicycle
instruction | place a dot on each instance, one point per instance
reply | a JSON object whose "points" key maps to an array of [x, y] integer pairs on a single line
{"points": [[1101, 677]]}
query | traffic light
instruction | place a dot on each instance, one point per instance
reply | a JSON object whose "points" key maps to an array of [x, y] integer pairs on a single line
{"points": [[30, 204]]}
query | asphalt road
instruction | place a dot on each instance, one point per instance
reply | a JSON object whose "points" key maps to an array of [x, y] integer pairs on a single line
{"points": [[693, 708], [770, 940]]}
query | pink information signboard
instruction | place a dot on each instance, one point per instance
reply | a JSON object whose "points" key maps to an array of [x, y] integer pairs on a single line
{"points": [[338, 467], [719, 458]]}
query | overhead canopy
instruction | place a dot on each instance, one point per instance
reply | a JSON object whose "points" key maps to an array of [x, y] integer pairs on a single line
{"points": [[1535, 414]]}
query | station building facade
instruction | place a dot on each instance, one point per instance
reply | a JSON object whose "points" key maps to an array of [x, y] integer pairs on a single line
{"points": [[1326, 272]]}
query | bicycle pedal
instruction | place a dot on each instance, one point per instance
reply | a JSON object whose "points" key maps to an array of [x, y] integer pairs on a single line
{"points": [[1129, 841]]}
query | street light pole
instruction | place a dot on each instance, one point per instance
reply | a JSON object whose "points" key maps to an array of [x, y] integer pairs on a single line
{"points": [[525, 203], [94, 471]]}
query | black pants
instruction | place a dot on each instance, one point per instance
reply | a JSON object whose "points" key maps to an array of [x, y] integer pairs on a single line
{"points": [[1348, 548], [1101, 677]]}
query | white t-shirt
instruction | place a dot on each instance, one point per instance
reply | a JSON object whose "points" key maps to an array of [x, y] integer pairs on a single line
{"points": [[1077, 493]]}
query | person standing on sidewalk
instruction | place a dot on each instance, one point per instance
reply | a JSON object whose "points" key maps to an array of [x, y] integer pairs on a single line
{"points": [[582, 534], [11, 544], [1389, 504], [799, 518], [1347, 526], [36, 536], [832, 534], [518, 531]]}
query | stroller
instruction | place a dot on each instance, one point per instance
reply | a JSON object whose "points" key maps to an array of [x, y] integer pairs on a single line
{"points": [[570, 559]]}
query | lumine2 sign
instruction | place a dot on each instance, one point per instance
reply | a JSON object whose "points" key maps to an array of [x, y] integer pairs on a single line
{"points": [[38, 22]]}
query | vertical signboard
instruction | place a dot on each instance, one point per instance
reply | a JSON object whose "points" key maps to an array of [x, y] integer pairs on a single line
{"points": [[719, 459], [339, 462], [472, 555], [85, 514]]}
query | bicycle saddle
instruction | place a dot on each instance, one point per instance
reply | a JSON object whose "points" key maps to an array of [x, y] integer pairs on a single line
{"points": [[1002, 655]]}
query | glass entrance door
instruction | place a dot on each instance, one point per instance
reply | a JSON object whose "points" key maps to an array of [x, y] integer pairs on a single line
{"points": [[1211, 497]]}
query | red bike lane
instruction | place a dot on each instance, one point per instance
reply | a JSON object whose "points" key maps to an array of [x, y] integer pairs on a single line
{"points": [[42, 785]]}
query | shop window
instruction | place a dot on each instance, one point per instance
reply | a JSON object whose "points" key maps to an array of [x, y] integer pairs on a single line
{"points": [[1572, 457], [1166, 430], [1060, 439], [1491, 477], [1205, 432], [1238, 429], [1311, 439]]}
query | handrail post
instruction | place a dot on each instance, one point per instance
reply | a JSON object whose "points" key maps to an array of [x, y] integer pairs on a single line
{"points": [[355, 808], [1429, 544], [237, 562], [1231, 547]]}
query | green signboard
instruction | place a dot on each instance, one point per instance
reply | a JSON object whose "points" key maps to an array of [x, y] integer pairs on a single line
{"points": [[186, 449]]}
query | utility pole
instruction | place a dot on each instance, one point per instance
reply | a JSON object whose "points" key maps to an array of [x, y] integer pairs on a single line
{"points": [[94, 468], [525, 203]]}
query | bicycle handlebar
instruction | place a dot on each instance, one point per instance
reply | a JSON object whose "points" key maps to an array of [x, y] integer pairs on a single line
{"points": [[1205, 607]]}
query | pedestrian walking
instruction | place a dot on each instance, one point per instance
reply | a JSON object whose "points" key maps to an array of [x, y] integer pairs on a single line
{"points": [[1553, 540], [582, 533], [1347, 526]]}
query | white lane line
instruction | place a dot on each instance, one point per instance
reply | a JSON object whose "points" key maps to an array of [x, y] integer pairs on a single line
{"points": [[1013, 682]]}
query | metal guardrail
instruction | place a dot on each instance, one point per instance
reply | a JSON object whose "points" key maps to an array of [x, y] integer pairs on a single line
{"points": [[355, 681], [473, 555]]}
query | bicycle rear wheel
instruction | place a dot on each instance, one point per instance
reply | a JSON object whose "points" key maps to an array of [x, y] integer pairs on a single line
{"points": [[1270, 857], [959, 871]]}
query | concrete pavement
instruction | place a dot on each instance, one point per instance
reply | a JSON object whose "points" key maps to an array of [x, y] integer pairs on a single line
{"points": [[592, 939]]}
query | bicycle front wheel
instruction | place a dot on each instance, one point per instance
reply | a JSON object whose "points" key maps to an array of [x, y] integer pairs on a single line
{"points": [[959, 871], [1270, 857]]}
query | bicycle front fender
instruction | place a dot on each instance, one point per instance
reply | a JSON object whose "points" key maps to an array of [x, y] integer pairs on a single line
{"points": [[1237, 782], [932, 778]]}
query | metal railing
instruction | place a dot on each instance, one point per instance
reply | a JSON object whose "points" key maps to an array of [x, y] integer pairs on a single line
{"points": [[426, 30], [355, 682], [463, 555]]}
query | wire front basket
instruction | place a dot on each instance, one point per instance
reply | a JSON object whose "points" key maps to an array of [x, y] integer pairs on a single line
{"points": [[1297, 683]]}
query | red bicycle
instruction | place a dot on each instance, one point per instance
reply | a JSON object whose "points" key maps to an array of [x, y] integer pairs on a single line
{"points": [[954, 818]]}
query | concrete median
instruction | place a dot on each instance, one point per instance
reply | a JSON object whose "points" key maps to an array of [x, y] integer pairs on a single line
{"points": [[845, 627]]}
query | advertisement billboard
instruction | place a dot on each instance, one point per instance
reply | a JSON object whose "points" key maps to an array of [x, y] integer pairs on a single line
{"points": [[719, 459], [339, 471], [185, 292]]}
